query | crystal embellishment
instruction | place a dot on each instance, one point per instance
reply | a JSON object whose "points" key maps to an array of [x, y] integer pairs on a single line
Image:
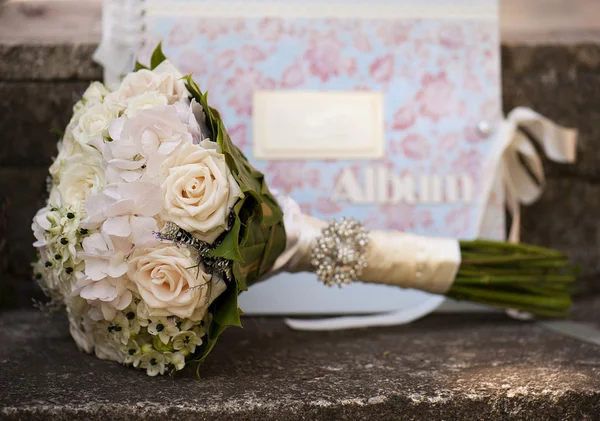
{"points": [[339, 254]]}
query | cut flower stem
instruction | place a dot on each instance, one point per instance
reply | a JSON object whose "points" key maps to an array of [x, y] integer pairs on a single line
{"points": [[523, 277]]}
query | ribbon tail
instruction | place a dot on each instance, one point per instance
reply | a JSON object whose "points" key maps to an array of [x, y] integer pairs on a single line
{"points": [[121, 37], [394, 318], [521, 167]]}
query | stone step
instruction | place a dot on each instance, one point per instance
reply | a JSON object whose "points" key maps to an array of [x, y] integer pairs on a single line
{"points": [[445, 367]]}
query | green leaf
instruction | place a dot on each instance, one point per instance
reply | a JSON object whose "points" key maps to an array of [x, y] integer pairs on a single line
{"points": [[229, 248], [58, 132], [139, 66], [157, 57], [228, 313]]}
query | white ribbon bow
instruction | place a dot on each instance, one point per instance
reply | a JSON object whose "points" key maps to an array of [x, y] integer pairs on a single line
{"points": [[520, 166], [121, 38]]}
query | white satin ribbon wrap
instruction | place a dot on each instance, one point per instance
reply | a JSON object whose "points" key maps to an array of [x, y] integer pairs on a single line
{"points": [[393, 258], [121, 38]]}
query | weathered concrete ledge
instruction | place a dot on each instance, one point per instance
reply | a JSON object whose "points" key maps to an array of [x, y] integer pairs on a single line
{"points": [[445, 367]]}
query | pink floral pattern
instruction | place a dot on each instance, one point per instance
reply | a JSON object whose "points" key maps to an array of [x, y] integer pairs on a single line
{"points": [[192, 63], [382, 69], [436, 96], [326, 206], [439, 78], [404, 118], [401, 217], [292, 175], [413, 146], [243, 83], [239, 135], [324, 54], [180, 35], [293, 76]]}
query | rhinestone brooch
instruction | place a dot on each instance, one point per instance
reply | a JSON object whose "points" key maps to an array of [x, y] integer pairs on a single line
{"points": [[338, 256]]}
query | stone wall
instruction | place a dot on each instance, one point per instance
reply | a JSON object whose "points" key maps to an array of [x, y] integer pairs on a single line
{"points": [[39, 84]]}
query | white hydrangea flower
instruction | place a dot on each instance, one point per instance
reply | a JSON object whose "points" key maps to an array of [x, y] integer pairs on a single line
{"points": [[143, 141], [126, 211], [111, 294], [40, 226], [194, 118], [104, 256]]}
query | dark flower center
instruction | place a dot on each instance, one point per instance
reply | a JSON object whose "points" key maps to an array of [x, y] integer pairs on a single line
{"points": [[153, 361], [160, 327]]}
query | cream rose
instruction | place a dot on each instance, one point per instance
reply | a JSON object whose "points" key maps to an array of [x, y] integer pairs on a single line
{"points": [[94, 122], [144, 101], [82, 176], [199, 190], [94, 94], [67, 147], [172, 283], [165, 79]]}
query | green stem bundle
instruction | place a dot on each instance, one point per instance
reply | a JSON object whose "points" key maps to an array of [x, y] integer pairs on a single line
{"points": [[523, 277]]}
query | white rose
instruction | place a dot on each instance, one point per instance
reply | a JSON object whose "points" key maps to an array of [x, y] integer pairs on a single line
{"points": [[165, 79], [199, 190], [172, 282], [82, 176], [94, 122], [144, 101], [94, 94], [67, 147]]}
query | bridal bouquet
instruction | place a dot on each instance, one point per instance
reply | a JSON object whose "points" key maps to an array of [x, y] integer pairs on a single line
{"points": [[155, 223]]}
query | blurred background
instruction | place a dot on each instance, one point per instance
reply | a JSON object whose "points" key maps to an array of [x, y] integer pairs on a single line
{"points": [[550, 60]]}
